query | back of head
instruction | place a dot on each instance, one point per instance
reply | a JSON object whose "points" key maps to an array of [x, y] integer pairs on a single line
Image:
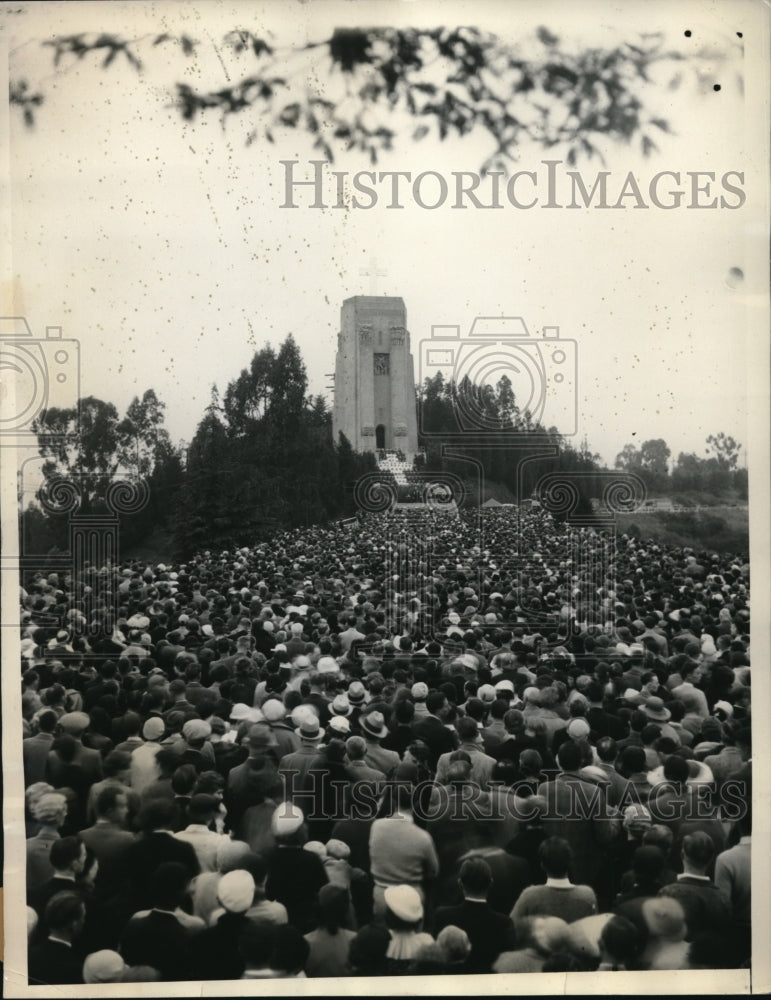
{"points": [[467, 729], [633, 760], [255, 944], [569, 756], [290, 950], [65, 852], [169, 885], [334, 901], [475, 877], [676, 769], [62, 910], [607, 749], [514, 721], [157, 814], [621, 941], [698, 848], [355, 747], [367, 950], [555, 856]]}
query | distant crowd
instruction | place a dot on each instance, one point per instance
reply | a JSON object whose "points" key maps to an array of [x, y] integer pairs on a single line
{"points": [[421, 743]]}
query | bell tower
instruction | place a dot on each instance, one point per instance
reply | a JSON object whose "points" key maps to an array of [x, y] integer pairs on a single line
{"points": [[375, 377]]}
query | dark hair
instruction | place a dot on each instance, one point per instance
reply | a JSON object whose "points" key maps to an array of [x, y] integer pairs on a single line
{"points": [[290, 949], [334, 901], [157, 814], [475, 876], [632, 760], [569, 756], [607, 749], [63, 909], [184, 778], [255, 943], [698, 848], [107, 799], [115, 762], [676, 769], [47, 720], [555, 855], [622, 940], [169, 884], [367, 950], [66, 747], [435, 701], [64, 851]]}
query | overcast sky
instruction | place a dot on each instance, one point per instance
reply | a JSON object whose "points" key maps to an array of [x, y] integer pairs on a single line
{"points": [[162, 246]]}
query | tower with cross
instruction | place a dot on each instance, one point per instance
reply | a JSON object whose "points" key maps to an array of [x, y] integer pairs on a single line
{"points": [[375, 403]]}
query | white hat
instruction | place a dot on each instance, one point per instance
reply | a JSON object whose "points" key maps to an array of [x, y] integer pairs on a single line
{"points": [[328, 665], [486, 693], [273, 710], [235, 891], [340, 724], [286, 820], [103, 966], [404, 902]]}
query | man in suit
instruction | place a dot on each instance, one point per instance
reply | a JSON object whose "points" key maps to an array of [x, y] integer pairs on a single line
{"points": [[55, 961], [578, 811], [87, 761], [156, 846], [431, 729], [489, 932], [36, 748], [108, 838]]}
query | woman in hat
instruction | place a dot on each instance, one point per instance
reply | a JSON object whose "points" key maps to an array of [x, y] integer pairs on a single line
{"points": [[404, 920]]}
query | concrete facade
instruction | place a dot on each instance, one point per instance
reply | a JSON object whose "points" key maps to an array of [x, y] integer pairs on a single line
{"points": [[375, 376]]}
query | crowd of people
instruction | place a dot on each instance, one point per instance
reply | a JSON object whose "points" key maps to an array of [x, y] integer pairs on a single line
{"points": [[293, 759]]}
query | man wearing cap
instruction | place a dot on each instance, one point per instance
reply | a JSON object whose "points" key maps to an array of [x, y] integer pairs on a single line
{"points": [[374, 730], [205, 842], [470, 741]]}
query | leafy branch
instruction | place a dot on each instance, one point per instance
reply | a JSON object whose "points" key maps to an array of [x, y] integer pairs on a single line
{"points": [[357, 88]]}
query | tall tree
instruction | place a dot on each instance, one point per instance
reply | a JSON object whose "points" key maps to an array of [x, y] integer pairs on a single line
{"points": [[725, 449], [84, 443]]}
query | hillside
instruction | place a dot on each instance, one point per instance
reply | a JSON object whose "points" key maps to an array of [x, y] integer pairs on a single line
{"points": [[717, 529]]}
